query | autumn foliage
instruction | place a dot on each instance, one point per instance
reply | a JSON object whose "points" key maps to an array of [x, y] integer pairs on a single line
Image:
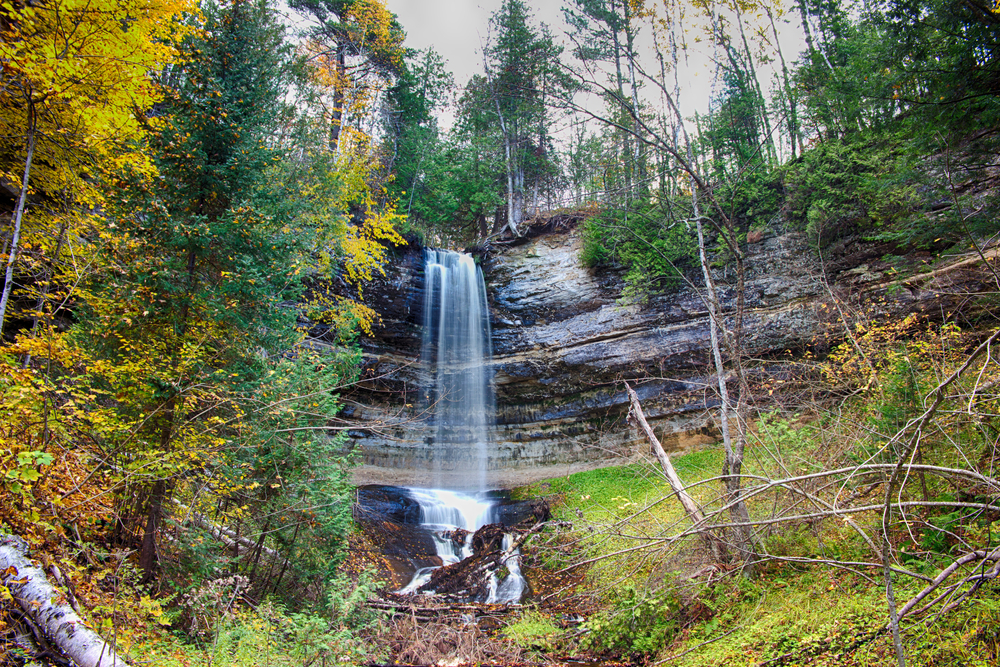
{"points": [[167, 169]]}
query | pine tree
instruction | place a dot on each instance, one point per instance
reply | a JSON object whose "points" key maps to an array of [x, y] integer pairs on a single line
{"points": [[522, 75], [196, 268]]}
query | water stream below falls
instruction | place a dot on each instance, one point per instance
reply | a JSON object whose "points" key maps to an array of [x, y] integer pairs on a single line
{"points": [[453, 519]]}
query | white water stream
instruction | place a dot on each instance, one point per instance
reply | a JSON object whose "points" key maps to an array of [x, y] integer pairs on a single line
{"points": [[442, 512], [455, 356]]}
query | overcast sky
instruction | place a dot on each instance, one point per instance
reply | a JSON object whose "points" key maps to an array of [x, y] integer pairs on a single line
{"points": [[457, 29]]}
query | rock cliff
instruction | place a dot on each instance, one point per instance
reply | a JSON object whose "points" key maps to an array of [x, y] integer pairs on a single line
{"points": [[563, 344]]}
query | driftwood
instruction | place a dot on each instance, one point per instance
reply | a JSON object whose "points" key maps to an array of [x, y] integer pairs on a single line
{"points": [[41, 603]]}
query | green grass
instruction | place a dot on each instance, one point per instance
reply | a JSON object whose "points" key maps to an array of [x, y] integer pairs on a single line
{"points": [[615, 493], [533, 630], [829, 617], [799, 613], [613, 510]]}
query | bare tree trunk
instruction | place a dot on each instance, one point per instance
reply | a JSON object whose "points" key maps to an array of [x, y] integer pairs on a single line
{"points": [[62, 625], [794, 131], [733, 452], [148, 554], [511, 220], [517, 197], [764, 117], [627, 157], [22, 197], [733, 449], [639, 155], [810, 42], [339, 94]]}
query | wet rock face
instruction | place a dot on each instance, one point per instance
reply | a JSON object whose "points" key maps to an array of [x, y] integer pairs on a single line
{"points": [[563, 344], [391, 520]]}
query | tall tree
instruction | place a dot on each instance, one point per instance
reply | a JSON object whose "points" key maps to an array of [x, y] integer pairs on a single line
{"points": [[705, 207], [75, 82], [196, 267], [604, 33], [357, 47], [412, 134], [521, 70]]}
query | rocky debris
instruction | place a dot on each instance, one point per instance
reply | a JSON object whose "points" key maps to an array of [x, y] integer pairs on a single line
{"points": [[390, 525], [469, 579], [488, 538], [456, 537], [390, 521]]}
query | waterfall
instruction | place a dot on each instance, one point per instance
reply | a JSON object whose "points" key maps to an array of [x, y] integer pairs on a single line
{"points": [[455, 356]]}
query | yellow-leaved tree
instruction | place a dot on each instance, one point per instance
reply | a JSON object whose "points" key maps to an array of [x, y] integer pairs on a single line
{"points": [[75, 85], [356, 48], [355, 52], [352, 224]]}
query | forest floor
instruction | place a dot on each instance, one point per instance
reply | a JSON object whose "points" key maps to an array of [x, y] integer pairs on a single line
{"points": [[605, 592]]}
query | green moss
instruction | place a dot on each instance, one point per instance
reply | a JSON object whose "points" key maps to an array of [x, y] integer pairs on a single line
{"points": [[533, 630]]}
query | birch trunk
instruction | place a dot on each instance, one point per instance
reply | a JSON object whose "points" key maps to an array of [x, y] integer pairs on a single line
{"points": [[794, 133], [768, 137], [22, 197], [639, 154], [36, 597]]}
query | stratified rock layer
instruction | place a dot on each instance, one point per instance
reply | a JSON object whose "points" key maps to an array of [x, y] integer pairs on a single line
{"points": [[563, 343]]}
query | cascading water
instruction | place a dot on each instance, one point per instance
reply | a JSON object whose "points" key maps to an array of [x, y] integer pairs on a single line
{"points": [[455, 354], [452, 518], [455, 359]]}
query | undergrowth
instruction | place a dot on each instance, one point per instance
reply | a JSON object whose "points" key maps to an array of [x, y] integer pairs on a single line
{"points": [[816, 593]]}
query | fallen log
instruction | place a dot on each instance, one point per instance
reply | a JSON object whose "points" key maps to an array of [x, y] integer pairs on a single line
{"points": [[228, 537], [39, 601], [687, 502]]}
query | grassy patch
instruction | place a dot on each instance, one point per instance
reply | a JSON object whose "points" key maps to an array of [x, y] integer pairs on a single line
{"points": [[790, 613], [533, 630]]}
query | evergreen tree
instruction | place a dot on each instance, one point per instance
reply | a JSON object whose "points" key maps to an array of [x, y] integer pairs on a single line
{"points": [[522, 75], [943, 58], [603, 33], [196, 267], [412, 136]]}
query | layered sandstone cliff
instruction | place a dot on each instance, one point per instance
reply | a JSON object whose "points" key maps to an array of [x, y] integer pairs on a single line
{"points": [[563, 343]]}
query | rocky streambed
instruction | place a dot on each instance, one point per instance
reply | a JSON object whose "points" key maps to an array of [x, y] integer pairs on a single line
{"points": [[413, 549]]}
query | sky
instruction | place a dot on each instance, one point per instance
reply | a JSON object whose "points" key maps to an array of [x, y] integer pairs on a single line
{"points": [[457, 29]]}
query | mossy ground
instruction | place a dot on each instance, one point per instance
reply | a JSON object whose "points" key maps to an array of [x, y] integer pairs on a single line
{"points": [[786, 613]]}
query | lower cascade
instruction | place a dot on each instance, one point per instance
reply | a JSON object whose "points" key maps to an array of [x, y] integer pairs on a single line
{"points": [[457, 523], [454, 358]]}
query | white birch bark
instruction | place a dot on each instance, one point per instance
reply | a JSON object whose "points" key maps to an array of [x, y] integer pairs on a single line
{"points": [[8, 281], [40, 601]]}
